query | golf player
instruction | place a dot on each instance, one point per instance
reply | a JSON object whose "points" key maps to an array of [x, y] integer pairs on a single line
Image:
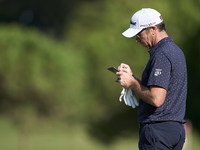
{"points": [[163, 88]]}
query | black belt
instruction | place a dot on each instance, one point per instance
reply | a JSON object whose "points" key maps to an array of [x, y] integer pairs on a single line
{"points": [[141, 124]]}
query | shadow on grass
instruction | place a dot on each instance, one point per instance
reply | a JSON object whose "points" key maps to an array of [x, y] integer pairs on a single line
{"points": [[119, 124]]}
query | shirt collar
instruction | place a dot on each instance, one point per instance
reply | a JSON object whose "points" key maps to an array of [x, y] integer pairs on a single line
{"points": [[164, 40]]}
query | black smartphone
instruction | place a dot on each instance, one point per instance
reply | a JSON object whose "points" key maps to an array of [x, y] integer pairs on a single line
{"points": [[113, 69]]}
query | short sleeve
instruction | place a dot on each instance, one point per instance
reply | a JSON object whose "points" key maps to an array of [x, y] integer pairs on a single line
{"points": [[160, 71]]}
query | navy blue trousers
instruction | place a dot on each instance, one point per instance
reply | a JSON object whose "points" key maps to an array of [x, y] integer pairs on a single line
{"points": [[162, 136]]}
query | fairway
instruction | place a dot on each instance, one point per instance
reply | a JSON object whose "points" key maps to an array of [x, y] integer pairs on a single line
{"points": [[57, 136]]}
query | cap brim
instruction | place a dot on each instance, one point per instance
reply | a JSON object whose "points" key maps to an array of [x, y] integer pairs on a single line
{"points": [[130, 32]]}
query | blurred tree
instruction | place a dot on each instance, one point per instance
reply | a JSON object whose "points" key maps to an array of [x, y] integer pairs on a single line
{"points": [[193, 104], [51, 16], [36, 71]]}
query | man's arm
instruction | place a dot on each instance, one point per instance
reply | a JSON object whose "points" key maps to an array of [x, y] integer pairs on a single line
{"points": [[153, 95]]}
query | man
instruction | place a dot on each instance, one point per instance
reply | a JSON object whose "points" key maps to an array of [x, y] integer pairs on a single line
{"points": [[162, 90]]}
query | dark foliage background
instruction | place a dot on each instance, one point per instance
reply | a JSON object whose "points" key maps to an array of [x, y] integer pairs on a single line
{"points": [[54, 56]]}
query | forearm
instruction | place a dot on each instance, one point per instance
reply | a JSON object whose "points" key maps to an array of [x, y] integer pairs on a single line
{"points": [[142, 91], [152, 95]]}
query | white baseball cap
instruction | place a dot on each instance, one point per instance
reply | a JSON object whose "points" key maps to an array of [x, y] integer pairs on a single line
{"points": [[142, 19]]}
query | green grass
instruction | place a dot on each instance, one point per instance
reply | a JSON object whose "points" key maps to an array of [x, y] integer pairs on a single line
{"points": [[55, 136]]}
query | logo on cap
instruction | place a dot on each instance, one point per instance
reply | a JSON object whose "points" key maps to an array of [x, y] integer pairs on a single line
{"points": [[133, 23], [161, 18]]}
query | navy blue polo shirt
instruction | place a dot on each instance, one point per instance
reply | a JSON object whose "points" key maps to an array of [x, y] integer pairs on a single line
{"points": [[166, 68]]}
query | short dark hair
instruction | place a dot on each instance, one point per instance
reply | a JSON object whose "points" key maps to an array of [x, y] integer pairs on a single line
{"points": [[161, 26]]}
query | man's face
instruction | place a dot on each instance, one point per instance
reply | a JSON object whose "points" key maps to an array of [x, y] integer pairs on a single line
{"points": [[145, 38]]}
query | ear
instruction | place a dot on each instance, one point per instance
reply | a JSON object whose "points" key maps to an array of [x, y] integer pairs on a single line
{"points": [[154, 30]]}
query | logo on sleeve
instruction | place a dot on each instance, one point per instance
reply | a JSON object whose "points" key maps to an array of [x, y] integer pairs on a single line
{"points": [[157, 72]]}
